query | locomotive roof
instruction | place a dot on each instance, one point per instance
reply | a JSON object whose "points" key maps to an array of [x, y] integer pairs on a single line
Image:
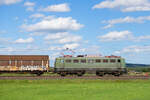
{"points": [[91, 57]]}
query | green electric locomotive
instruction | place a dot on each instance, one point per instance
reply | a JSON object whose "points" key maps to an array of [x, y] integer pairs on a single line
{"points": [[79, 65]]}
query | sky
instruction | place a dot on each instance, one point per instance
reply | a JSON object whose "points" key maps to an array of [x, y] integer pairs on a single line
{"points": [[47, 27]]}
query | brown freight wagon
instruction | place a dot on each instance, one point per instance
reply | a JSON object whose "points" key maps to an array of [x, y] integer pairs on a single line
{"points": [[36, 64]]}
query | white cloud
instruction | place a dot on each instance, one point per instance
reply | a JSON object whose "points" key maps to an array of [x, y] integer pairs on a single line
{"points": [[56, 36], [134, 49], [115, 36], [91, 50], [140, 38], [55, 48], [139, 8], [8, 2], [29, 3], [57, 8], [49, 17], [71, 46], [70, 39], [127, 19], [29, 9], [122, 35], [37, 33], [63, 37], [28, 40], [125, 5], [37, 15], [64, 40], [53, 25], [3, 31], [63, 47]]}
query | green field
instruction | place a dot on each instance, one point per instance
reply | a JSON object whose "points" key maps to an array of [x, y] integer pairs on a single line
{"points": [[74, 89]]}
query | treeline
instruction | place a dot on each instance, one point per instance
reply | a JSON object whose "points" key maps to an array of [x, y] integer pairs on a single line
{"points": [[139, 69], [137, 65]]}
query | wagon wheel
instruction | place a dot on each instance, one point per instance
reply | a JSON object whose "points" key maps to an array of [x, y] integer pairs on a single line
{"points": [[39, 73]]}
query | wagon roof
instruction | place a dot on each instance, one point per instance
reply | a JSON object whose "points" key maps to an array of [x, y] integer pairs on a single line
{"points": [[24, 57]]}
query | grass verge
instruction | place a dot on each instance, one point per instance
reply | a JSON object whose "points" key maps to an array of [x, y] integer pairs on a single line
{"points": [[76, 89]]}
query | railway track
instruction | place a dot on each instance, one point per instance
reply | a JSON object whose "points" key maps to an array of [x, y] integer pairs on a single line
{"points": [[73, 77]]}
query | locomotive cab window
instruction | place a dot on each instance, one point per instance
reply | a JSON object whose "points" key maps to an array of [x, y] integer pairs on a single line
{"points": [[76, 61], [68, 61], [112, 60], [90, 60], [83, 60], [105, 60], [119, 60]]}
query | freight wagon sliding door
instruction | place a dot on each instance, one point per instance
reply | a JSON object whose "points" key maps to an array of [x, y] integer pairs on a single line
{"points": [[4, 65]]}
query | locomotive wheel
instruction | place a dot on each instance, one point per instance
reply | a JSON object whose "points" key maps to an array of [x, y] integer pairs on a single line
{"points": [[117, 74], [63, 74], [80, 73], [100, 74]]}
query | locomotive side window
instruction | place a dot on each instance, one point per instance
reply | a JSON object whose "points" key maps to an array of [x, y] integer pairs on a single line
{"points": [[62, 61], [105, 60], [90, 60], [68, 61], [83, 60], [112, 60], [75, 61], [119, 60], [98, 61]]}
